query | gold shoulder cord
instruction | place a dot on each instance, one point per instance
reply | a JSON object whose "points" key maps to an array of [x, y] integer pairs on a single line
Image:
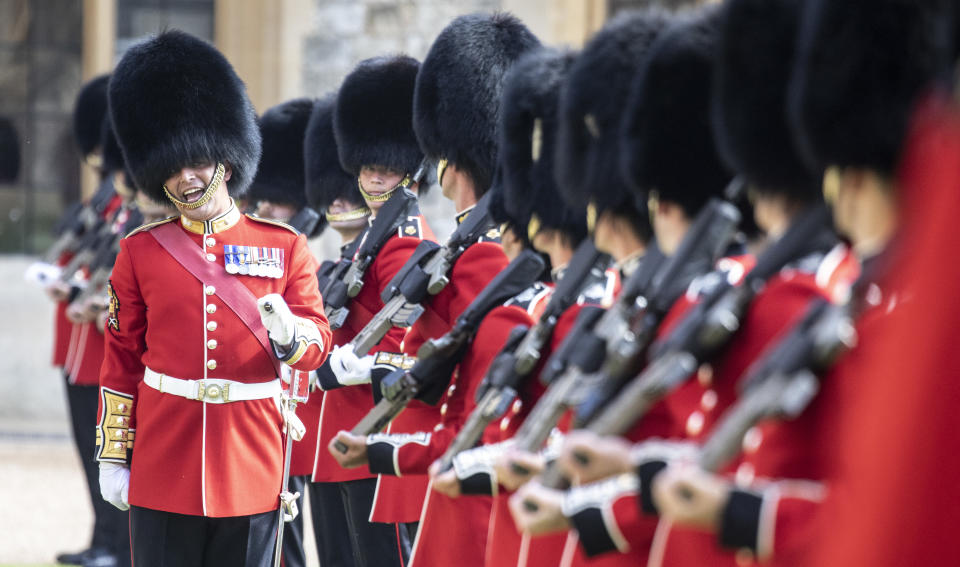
{"points": [[207, 193]]}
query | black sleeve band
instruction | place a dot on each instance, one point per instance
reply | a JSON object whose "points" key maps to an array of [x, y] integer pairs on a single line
{"points": [[477, 484], [380, 457], [326, 378], [646, 473], [740, 522], [594, 538]]}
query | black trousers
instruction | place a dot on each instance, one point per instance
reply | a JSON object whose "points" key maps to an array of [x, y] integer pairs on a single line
{"points": [[165, 539], [344, 534], [111, 528], [293, 554]]}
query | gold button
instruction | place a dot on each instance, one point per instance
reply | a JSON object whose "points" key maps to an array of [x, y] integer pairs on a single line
{"points": [[210, 241], [752, 440], [694, 424], [211, 364], [119, 421], [211, 325], [504, 424], [211, 257], [212, 344], [121, 407], [451, 390], [443, 409], [705, 375], [118, 434], [517, 406], [745, 474], [708, 400], [211, 308], [209, 290], [118, 445]]}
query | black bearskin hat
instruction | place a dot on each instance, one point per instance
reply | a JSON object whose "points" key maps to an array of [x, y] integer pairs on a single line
{"points": [[109, 147], [755, 57], [457, 100], [326, 181], [860, 66], [667, 143], [592, 107], [528, 129], [280, 175], [9, 152], [373, 120], [175, 100], [88, 113]]}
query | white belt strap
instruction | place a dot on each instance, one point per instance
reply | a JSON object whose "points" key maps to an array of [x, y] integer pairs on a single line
{"points": [[211, 390]]}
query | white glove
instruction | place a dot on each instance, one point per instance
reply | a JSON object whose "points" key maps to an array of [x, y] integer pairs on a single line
{"points": [[42, 273], [279, 321], [350, 369], [114, 484]]}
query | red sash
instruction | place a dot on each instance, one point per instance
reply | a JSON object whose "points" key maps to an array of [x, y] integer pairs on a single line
{"points": [[234, 294]]}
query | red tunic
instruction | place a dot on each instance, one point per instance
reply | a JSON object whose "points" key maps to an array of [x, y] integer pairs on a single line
{"points": [[195, 457], [788, 451], [342, 408], [400, 498], [896, 443]]}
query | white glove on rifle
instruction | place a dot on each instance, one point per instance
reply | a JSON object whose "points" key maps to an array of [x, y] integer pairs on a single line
{"points": [[115, 484], [277, 318], [350, 369]]}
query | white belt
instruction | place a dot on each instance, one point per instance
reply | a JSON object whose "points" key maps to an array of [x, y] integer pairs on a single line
{"points": [[212, 390]]}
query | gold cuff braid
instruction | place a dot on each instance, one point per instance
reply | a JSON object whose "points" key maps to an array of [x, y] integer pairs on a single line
{"points": [[114, 435]]}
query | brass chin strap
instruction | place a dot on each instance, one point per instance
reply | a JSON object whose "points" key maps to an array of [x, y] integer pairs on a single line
{"points": [[355, 214], [405, 183], [207, 193]]}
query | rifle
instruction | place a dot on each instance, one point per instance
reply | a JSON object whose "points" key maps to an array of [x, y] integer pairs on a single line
{"points": [[101, 265], [437, 358], [615, 347], [305, 221], [523, 351], [394, 212], [424, 275], [707, 329], [784, 381], [78, 220]]}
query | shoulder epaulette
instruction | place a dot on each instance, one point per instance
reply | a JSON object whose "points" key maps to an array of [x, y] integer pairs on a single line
{"points": [[412, 227], [149, 225], [281, 224]]}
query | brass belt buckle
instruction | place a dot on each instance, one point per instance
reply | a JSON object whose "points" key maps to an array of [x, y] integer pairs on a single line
{"points": [[213, 392]]}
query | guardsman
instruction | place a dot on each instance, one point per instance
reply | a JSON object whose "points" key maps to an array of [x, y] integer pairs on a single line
{"points": [[78, 348], [373, 128], [277, 192], [587, 173], [332, 192], [531, 203], [456, 110], [190, 426]]}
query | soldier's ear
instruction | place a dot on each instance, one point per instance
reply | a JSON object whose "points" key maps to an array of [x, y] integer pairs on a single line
{"points": [[228, 171]]}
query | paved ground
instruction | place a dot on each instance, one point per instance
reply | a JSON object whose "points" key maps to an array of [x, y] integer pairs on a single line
{"points": [[43, 506]]}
